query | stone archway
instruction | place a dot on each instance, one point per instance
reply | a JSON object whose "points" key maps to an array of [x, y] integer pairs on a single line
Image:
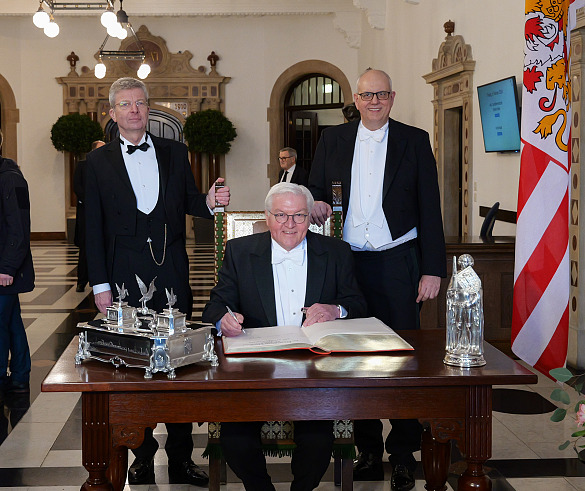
{"points": [[9, 118], [281, 86]]}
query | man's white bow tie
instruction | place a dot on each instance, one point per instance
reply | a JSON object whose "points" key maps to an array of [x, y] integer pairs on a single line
{"points": [[296, 255], [377, 135]]}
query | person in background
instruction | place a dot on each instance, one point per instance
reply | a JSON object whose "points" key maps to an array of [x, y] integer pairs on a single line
{"points": [[289, 170], [266, 279], [138, 190], [79, 189], [392, 211], [16, 276]]}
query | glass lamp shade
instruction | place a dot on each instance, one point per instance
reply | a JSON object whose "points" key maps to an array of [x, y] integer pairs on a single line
{"points": [[100, 70], [41, 18], [113, 30], [122, 33], [52, 29], [108, 18], [143, 71]]}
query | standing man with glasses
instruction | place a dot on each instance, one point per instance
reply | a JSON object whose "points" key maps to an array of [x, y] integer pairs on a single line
{"points": [[138, 190], [393, 223], [289, 170], [266, 279]]}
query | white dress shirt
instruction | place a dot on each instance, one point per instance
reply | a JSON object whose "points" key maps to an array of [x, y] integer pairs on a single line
{"points": [[289, 175], [366, 227], [289, 271], [142, 169]]}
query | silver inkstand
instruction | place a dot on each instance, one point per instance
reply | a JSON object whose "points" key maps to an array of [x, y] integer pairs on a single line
{"points": [[465, 328], [155, 342]]}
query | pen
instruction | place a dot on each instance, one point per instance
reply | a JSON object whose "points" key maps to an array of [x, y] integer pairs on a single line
{"points": [[304, 309], [234, 316]]}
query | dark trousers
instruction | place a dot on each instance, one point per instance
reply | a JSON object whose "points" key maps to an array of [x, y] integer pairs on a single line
{"points": [[389, 281], [82, 274], [174, 273], [242, 449], [13, 340]]}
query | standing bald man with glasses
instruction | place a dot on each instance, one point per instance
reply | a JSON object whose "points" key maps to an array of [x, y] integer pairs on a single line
{"points": [[138, 190], [393, 224], [289, 170]]}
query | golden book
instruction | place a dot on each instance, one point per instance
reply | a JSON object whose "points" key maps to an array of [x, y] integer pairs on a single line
{"points": [[341, 335]]}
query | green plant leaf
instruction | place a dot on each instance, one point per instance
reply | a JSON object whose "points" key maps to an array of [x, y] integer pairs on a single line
{"points": [[561, 374], [578, 386], [561, 396], [581, 455], [558, 415], [564, 445], [578, 434]]}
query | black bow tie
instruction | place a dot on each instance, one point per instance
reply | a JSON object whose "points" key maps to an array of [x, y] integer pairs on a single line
{"points": [[132, 148]]}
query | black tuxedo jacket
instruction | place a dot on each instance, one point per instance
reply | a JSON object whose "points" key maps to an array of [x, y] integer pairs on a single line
{"points": [[110, 203], [410, 190], [246, 282], [300, 176]]}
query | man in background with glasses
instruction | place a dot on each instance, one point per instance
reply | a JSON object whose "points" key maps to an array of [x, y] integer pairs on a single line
{"points": [[138, 190], [391, 205], [289, 170], [266, 280]]}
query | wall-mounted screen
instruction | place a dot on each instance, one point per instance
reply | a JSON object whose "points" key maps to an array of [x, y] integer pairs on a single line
{"points": [[500, 115]]}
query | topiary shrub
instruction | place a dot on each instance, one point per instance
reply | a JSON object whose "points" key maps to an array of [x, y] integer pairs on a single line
{"points": [[75, 133], [209, 131]]}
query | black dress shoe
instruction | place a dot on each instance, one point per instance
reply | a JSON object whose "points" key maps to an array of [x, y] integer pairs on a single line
{"points": [[402, 479], [187, 473], [141, 471], [368, 468]]}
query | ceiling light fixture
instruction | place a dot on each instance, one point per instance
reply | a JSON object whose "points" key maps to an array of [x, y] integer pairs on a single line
{"points": [[120, 29], [44, 20]]}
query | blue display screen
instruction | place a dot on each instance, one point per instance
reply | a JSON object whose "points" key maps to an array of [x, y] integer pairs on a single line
{"points": [[500, 121]]}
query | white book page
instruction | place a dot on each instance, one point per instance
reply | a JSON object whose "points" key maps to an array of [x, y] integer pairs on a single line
{"points": [[360, 327], [254, 339]]}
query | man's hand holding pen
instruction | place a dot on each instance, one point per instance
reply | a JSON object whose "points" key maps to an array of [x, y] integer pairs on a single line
{"points": [[231, 323]]}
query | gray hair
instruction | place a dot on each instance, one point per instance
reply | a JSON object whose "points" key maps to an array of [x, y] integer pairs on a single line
{"points": [[370, 70], [292, 152], [286, 188], [126, 83]]}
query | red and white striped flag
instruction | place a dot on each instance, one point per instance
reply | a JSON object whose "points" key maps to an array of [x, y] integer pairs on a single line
{"points": [[540, 320]]}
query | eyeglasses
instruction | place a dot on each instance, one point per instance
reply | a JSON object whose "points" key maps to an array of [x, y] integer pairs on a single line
{"points": [[126, 105], [382, 95], [298, 218], [284, 158]]}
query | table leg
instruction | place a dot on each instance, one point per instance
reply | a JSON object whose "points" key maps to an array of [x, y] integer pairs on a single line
{"points": [[436, 457], [95, 440], [478, 439]]}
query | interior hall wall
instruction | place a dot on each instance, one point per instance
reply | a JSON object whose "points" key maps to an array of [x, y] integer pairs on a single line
{"points": [[253, 51], [406, 48]]}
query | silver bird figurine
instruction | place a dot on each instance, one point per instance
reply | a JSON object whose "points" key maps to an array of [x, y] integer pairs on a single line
{"points": [[147, 293]]}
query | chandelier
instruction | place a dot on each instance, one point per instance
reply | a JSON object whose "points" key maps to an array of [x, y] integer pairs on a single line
{"points": [[117, 25]]}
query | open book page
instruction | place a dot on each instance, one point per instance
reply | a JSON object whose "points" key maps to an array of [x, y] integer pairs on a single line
{"points": [[261, 339], [363, 334], [359, 335]]}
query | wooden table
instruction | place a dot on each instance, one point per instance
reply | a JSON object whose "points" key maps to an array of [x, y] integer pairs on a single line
{"points": [[118, 404]]}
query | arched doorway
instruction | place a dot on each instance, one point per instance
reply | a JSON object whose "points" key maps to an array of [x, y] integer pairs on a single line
{"points": [[160, 123], [280, 96], [312, 104], [9, 117]]}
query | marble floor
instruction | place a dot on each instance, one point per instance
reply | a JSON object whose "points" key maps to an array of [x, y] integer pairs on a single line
{"points": [[40, 433]]}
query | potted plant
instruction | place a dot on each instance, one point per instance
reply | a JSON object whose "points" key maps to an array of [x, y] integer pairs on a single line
{"points": [[209, 132]]}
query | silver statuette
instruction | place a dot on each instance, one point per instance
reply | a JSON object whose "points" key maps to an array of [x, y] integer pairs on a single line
{"points": [[120, 313], [171, 319], [464, 345]]}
